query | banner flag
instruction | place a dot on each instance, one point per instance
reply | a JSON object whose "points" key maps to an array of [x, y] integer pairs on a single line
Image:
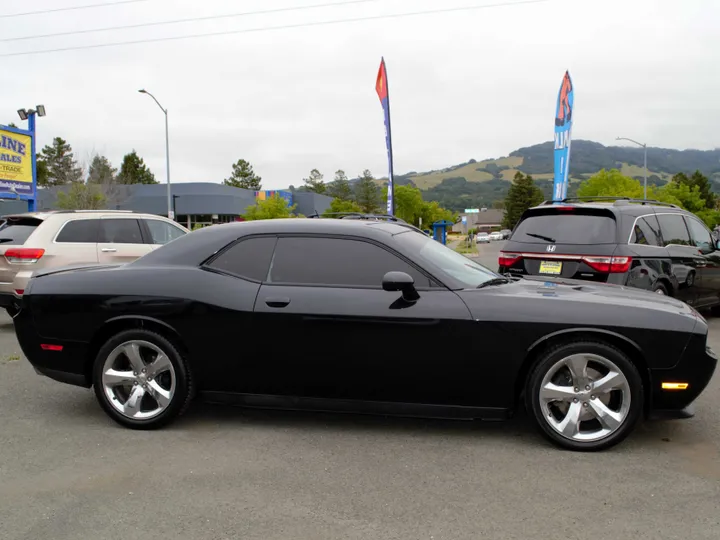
{"points": [[563, 129], [381, 86]]}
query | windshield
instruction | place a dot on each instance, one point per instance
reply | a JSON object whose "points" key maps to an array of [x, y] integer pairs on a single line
{"points": [[566, 228], [433, 254]]}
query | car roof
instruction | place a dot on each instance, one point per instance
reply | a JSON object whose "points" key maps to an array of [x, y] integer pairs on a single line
{"points": [[618, 205], [201, 244]]}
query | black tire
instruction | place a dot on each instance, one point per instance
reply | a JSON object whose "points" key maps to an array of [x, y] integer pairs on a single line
{"points": [[183, 381], [550, 359], [659, 288]]}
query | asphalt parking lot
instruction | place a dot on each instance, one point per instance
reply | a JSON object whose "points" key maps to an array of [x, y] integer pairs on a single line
{"points": [[68, 472]]}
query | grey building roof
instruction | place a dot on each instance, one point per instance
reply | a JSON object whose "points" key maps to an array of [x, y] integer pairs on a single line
{"points": [[193, 198]]}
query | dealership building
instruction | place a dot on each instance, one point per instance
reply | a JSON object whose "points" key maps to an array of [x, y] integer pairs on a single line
{"points": [[202, 203]]}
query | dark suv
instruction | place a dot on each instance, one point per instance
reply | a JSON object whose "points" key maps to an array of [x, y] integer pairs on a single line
{"points": [[639, 243]]}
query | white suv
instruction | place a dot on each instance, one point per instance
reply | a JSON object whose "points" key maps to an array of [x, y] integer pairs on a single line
{"points": [[40, 240]]}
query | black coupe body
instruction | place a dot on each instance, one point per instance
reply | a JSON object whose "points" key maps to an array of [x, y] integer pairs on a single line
{"points": [[365, 316]]}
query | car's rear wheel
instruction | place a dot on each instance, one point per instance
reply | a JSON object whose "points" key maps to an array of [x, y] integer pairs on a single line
{"points": [[141, 380], [585, 395], [660, 289]]}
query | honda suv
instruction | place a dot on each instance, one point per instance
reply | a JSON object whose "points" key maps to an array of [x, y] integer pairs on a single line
{"points": [[39, 240], [637, 243]]}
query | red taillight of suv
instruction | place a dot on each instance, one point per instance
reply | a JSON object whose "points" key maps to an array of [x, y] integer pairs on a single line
{"points": [[508, 259], [24, 255], [608, 265]]}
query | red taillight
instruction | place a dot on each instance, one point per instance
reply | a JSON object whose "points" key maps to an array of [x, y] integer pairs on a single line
{"points": [[20, 292], [508, 259], [608, 265], [565, 208], [48, 347], [23, 255]]}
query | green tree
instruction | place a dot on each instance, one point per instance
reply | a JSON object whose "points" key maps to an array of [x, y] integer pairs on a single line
{"points": [[700, 181], [610, 183], [60, 164], [685, 195], [367, 193], [340, 188], [271, 208], [314, 182], [81, 196], [43, 174], [134, 171], [101, 171], [522, 195], [431, 212], [244, 177], [408, 203], [338, 206]]}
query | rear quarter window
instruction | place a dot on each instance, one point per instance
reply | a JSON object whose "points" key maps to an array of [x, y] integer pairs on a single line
{"points": [[566, 227], [16, 231]]}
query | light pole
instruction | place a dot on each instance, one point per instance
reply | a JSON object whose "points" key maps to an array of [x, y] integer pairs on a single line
{"points": [[29, 115], [171, 213], [644, 147]]}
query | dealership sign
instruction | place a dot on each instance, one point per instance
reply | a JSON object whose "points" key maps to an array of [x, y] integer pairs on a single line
{"points": [[16, 162]]}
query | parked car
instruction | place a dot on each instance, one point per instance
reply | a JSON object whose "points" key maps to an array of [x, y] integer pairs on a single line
{"points": [[496, 235], [506, 233], [33, 241], [482, 238], [644, 244], [586, 361]]}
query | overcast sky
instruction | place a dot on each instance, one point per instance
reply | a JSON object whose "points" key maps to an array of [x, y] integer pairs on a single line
{"points": [[464, 84]]}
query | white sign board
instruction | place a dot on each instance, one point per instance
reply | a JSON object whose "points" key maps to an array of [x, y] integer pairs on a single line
{"points": [[472, 210], [464, 220]]}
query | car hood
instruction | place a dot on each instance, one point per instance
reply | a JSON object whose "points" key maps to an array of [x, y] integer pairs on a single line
{"points": [[580, 303]]}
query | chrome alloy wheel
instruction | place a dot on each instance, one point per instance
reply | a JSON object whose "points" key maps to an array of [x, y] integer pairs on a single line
{"points": [[138, 380], [585, 397]]}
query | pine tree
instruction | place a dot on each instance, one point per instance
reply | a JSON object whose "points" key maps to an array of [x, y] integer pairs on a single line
{"points": [[522, 195], [367, 193], [340, 188], [59, 164], [134, 171], [314, 182], [101, 171], [243, 177]]}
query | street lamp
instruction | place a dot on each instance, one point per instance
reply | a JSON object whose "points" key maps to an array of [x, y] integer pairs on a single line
{"points": [[644, 147], [171, 213], [29, 115]]}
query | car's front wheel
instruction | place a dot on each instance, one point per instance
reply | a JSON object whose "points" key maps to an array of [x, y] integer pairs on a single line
{"points": [[141, 380], [585, 395]]}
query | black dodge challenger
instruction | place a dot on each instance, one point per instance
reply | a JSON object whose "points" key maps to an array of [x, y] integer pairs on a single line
{"points": [[361, 316]]}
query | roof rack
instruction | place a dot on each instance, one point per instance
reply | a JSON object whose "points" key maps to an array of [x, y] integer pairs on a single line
{"points": [[357, 215], [99, 211], [618, 201]]}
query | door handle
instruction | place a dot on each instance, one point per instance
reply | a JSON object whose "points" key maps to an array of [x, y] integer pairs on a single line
{"points": [[278, 302], [108, 250]]}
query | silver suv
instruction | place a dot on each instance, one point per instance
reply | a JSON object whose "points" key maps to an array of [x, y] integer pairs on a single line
{"points": [[39, 240]]}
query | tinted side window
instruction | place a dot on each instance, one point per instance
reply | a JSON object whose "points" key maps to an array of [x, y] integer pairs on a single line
{"points": [[162, 232], [248, 258], [646, 232], [700, 235], [338, 262], [120, 231], [673, 229], [79, 231]]}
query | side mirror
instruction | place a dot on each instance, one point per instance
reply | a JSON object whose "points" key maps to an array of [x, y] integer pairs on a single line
{"points": [[400, 281]]}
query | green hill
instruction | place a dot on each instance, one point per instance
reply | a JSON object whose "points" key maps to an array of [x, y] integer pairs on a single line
{"points": [[480, 183]]}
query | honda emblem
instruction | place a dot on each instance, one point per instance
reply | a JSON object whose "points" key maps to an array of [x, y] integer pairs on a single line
{"points": [[550, 248]]}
